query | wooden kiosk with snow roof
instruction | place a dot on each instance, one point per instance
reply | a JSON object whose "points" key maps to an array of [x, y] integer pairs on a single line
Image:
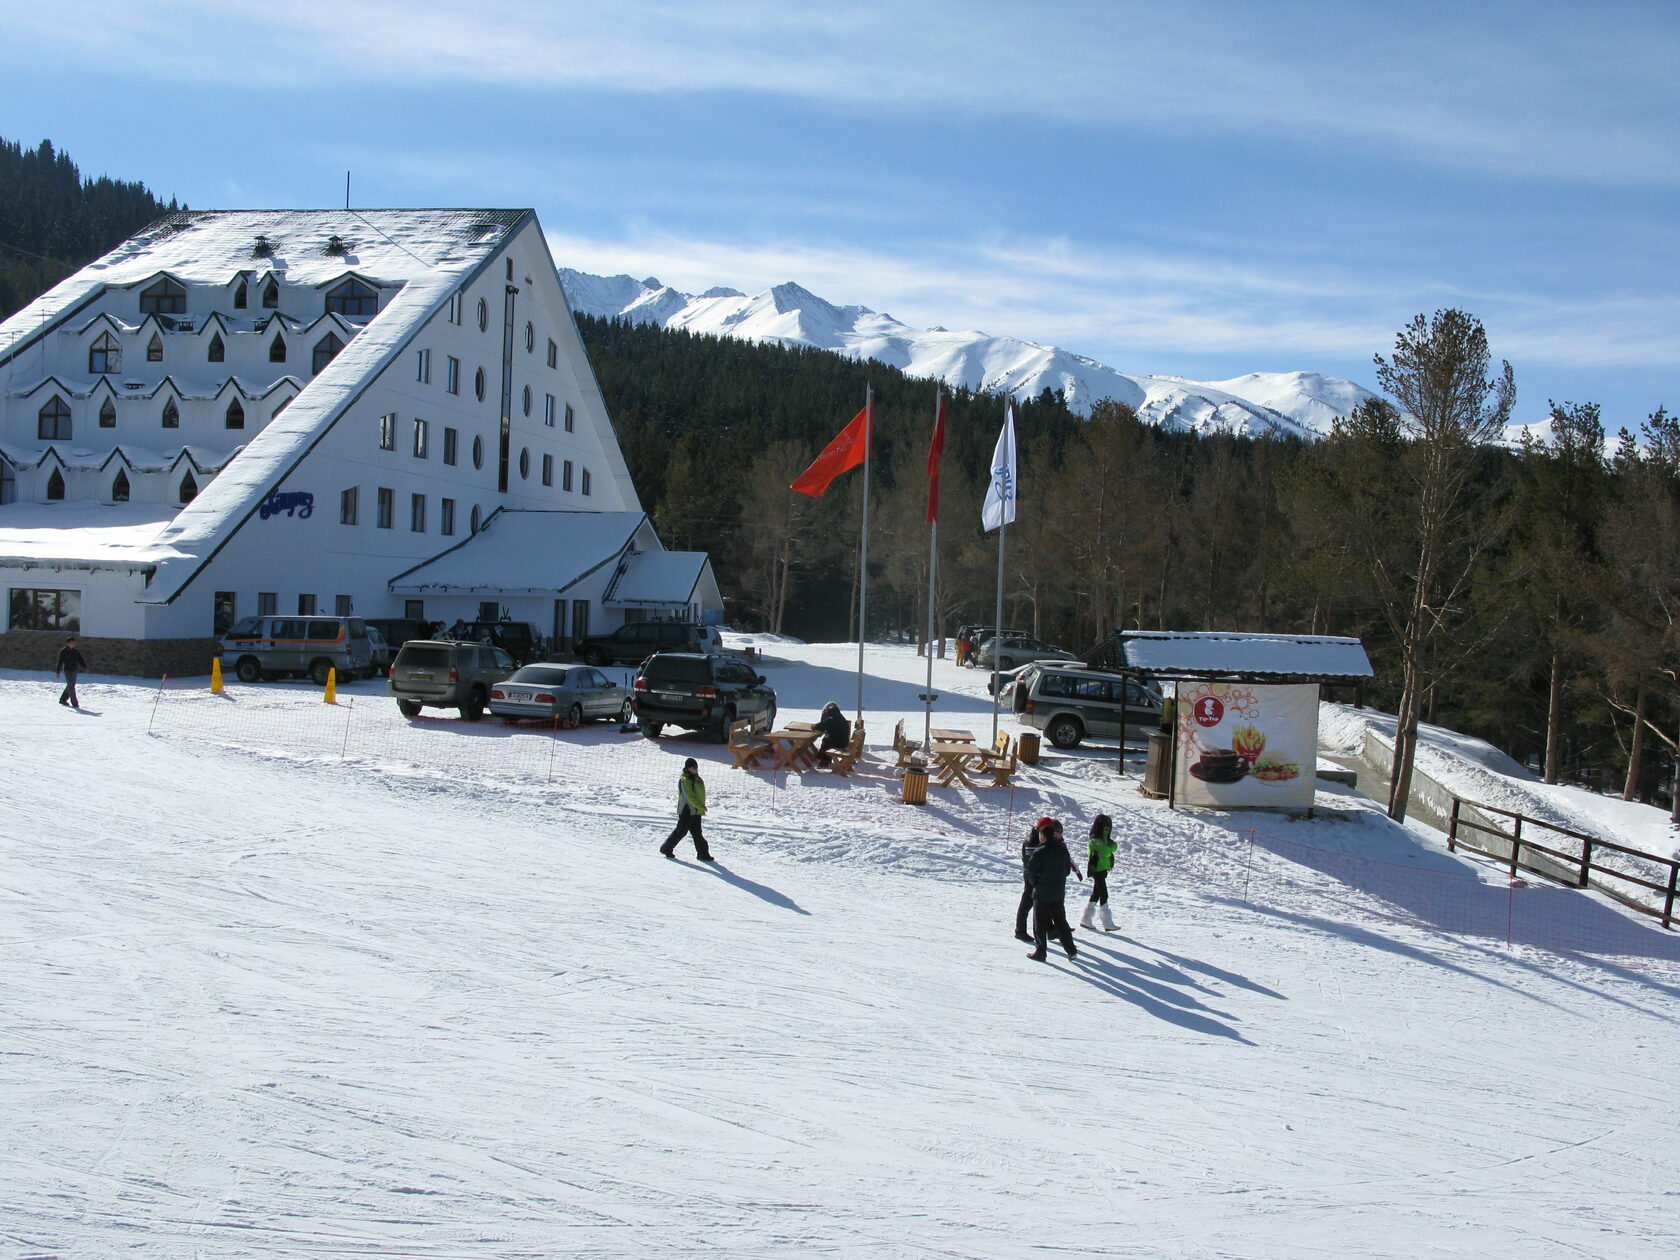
{"points": [[1244, 732]]}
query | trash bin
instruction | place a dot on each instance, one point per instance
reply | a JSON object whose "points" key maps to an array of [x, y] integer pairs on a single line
{"points": [[1027, 746], [1158, 769], [915, 785]]}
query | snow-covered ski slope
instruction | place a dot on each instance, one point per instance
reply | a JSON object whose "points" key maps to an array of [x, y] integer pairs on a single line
{"points": [[291, 980]]}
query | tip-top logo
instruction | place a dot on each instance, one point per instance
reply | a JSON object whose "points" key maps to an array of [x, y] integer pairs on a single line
{"points": [[1209, 712], [298, 503]]}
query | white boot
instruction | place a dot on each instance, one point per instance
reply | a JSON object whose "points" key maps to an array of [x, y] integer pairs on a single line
{"points": [[1085, 919], [1106, 917]]}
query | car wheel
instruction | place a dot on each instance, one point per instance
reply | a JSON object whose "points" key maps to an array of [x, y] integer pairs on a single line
{"points": [[574, 715], [318, 671], [627, 714], [1007, 663], [721, 731], [1066, 732], [650, 730], [248, 670], [408, 708], [473, 708], [595, 656], [770, 718]]}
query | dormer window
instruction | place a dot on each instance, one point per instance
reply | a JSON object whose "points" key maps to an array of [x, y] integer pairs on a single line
{"points": [[52, 423], [271, 295], [171, 414], [55, 486], [325, 350], [119, 487], [277, 349], [189, 489], [352, 298], [235, 415], [107, 414], [241, 296], [218, 351], [154, 349], [165, 297], [105, 355]]}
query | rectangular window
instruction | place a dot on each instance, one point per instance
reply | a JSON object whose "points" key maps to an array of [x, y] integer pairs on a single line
{"points": [[221, 613], [423, 366], [46, 610], [446, 516], [306, 605], [347, 506], [420, 439], [268, 603], [548, 410], [452, 374], [553, 354], [388, 432], [414, 609], [417, 513], [487, 609], [585, 483], [342, 605], [456, 301], [548, 470], [450, 439], [570, 418], [387, 507], [566, 476]]}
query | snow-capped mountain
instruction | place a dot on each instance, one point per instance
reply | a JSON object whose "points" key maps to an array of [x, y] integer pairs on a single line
{"points": [[1300, 403]]}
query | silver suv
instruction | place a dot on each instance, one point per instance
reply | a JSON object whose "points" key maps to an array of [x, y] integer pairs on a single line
{"points": [[447, 675], [260, 648], [1068, 703]]}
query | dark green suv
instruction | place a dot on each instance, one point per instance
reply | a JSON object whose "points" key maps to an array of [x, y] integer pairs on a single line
{"points": [[699, 693], [447, 675]]}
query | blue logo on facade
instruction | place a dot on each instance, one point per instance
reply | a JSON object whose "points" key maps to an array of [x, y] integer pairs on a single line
{"points": [[299, 503]]}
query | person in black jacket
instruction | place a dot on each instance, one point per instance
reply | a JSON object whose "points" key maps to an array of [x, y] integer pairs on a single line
{"points": [[1047, 872], [836, 731], [1027, 847], [70, 663]]}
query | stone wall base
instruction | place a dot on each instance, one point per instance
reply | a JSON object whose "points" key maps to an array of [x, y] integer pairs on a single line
{"points": [[137, 658]]}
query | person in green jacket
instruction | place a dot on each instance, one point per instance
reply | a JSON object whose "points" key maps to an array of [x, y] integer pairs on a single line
{"points": [[691, 808], [1100, 864]]}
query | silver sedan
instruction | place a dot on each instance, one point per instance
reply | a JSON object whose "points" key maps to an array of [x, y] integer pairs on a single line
{"points": [[574, 692]]}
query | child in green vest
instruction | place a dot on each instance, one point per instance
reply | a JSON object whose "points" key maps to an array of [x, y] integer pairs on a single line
{"points": [[1100, 864]]}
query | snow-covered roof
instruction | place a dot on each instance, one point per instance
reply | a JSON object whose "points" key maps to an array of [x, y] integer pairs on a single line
{"points": [[1214, 654], [525, 552], [84, 533], [656, 577]]}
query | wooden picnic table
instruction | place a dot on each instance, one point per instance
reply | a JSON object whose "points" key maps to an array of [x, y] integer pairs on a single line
{"points": [[801, 726], [953, 758], [952, 736], [793, 749]]}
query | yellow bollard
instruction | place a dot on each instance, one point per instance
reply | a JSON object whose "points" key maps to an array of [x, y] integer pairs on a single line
{"points": [[215, 675], [332, 687]]}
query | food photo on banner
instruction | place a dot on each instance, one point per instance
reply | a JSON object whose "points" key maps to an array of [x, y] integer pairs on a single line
{"points": [[1246, 745]]}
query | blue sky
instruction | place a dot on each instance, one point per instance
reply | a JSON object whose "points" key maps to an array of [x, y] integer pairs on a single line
{"points": [[1202, 189]]}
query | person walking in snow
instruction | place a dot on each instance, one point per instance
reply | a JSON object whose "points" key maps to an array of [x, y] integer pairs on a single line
{"points": [[1099, 863], [1047, 872], [70, 663], [1021, 910], [691, 808]]}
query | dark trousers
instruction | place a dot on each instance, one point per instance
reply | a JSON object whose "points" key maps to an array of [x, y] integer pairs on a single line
{"points": [[68, 695], [1021, 910], [1050, 919], [688, 824], [1099, 887]]}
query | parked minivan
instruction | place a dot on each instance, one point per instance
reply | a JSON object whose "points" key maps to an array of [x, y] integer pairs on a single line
{"points": [[1069, 703], [261, 648]]}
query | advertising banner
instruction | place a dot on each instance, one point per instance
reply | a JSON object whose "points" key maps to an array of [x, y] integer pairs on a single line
{"points": [[1242, 745]]}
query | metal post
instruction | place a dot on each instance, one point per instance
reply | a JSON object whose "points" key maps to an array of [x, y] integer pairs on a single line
{"points": [[1668, 901], [162, 682], [863, 546], [1516, 845], [1586, 861], [1452, 829]]}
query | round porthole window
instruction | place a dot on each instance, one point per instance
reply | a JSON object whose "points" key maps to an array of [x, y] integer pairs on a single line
{"points": [[478, 384], [478, 453], [525, 400], [530, 338], [524, 464], [477, 519], [483, 314]]}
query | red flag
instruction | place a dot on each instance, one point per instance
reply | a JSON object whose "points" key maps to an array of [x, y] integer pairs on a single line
{"points": [[934, 452], [843, 454]]}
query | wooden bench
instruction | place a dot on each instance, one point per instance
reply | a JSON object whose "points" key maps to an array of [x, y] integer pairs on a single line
{"points": [[843, 761], [746, 745], [1001, 761]]}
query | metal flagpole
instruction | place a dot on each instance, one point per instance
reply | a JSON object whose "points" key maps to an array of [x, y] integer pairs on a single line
{"points": [[863, 546], [933, 571], [997, 631]]}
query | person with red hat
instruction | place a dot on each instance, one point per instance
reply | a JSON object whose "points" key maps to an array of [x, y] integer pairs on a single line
{"points": [[1047, 870]]}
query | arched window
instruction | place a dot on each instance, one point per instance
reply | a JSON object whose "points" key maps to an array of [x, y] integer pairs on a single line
{"points": [[165, 297], [241, 297], [171, 414], [277, 349], [119, 487], [105, 355], [235, 415], [217, 352], [271, 295], [52, 422], [476, 518], [483, 314], [55, 486], [154, 349], [325, 351], [352, 298], [107, 414], [189, 488]]}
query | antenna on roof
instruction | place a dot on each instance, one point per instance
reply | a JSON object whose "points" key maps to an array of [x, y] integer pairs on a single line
{"points": [[346, 190]]}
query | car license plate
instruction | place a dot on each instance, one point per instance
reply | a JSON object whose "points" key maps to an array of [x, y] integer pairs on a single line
{"points": [[520, 696], [670, 695]]}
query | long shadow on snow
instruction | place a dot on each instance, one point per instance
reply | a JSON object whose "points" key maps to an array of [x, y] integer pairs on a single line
{"points": [[762, 892], [1151, 989]]}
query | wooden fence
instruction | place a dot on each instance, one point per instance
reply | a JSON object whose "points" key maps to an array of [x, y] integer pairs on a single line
{"points": [[1577, 868]]}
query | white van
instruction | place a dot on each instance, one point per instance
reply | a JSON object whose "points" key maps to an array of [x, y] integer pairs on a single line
{"points": [[261, 648]]}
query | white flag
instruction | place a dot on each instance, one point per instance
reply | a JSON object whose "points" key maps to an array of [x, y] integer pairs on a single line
{"points": [[999, 508]]}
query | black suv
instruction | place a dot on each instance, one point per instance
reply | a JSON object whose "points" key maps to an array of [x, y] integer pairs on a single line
{"points": [[634, 642], [699, 693], [519, 639]]}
